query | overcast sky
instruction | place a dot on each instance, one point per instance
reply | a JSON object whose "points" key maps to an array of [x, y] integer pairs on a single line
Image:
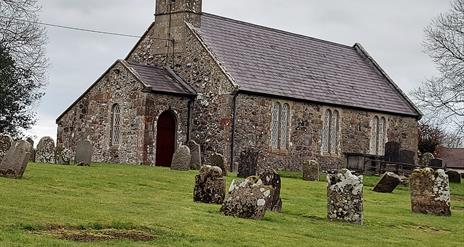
{"points": [[392, 32]]}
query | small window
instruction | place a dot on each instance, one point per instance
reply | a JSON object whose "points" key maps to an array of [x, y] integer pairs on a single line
{"points": [[330, 132], [280, 126], [378, 135], [115, 124]]}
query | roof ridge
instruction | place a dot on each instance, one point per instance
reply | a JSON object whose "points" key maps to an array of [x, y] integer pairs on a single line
{"points": [[277, 30]]}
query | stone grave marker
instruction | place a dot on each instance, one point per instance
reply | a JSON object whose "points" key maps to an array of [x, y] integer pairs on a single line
{"points": [[388, 183], [181, 159], [408, 157], [84, 153], [63, 156], [45, 152], [210, 185], [218, 160], [436, 163], [271, 178], [32, 156], [426, 159], [247, 199], [345, 197], [248, 163], [392, 151], [311, 170], [195, 151], [430, 193], [454, 176], [15, 161], [5, 144]]}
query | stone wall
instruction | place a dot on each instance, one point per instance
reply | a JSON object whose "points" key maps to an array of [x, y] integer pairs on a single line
{"points": [[253, 129]]}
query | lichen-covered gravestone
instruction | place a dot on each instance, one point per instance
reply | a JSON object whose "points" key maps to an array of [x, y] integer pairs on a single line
{"points": [[181, 159], [15, 161], [430, 192], [248, 163], [218, 160], [454, 177], [426, 159], [345, 197], [271, 178], [195, 151], [84, 153], [63, 156], [210, 185], [45, 151], [5, 144], [311, 170], [247, 199], [388, 183]]}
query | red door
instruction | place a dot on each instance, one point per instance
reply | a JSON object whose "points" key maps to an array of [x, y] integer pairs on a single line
{"points": [[165, 139]]}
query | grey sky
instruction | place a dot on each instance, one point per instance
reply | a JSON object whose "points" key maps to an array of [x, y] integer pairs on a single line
{"points": [[392, 32]]}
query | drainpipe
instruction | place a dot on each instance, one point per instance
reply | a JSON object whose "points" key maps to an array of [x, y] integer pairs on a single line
{"points": [[232, 138]]}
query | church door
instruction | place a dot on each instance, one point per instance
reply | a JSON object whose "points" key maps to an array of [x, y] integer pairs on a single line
{"points": [[165, 139]]}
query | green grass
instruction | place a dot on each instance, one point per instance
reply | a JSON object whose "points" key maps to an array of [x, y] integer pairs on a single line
{"points": [[121, 197]]}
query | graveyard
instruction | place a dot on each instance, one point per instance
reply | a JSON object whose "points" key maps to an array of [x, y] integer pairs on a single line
{"points": [[122, 205]]}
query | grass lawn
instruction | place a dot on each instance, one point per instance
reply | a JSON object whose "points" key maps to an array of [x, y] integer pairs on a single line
{"points": [[160, 201]]}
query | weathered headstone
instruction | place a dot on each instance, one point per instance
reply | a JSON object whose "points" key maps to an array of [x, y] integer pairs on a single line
{"points": [[84, 153], [454, 176], [248, 163], [63, 156], [210, 185], [430, 192], [195, 151], [15, 161], [271, 178], [436, 163], [5, 144], [388, 183], [392, 151], [218, 160], [247, 199], [32, 156], [408, 157], [311, 170], [345, 197], [427, 158], [45, 151], [181, 159]]}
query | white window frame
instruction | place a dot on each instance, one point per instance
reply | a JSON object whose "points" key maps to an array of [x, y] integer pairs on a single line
{"points": [[379, 135], [115, 131]]}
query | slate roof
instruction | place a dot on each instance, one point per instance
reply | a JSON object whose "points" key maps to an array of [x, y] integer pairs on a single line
{"points": [[273, 62], [453, 157], [161, 79]]}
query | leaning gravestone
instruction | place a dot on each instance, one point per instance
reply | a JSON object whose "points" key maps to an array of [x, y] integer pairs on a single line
{"points": [[247, 199], [248, 164], [5, 145], [210, 185], [63, 156], [430, 193], [392, 151], [45, 151], [388, 183], [84, 153], [454, 177], [311, 170], [218, 160], [181, 159], [345, 197], [15, 161], [195, 151], [426, 159], [271, 178]]}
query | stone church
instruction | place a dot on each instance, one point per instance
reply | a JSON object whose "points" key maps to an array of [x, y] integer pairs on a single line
{"points": [[231, 85]]}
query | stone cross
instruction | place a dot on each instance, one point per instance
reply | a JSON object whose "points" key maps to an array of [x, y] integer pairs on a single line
{"points": [[430, 193], [311, 170], [271, 178], [5, 144], [345, 197], [15, 161], [218, 160], [84, 153], [45, 151], [210, 185], [388, 182], [195, 151], [248, 163], [181, 159]]}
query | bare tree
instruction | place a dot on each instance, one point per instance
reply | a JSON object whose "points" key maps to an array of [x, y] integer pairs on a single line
{"points": [[442, 98]]}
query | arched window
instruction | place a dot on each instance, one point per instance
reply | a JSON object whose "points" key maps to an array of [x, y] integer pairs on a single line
{"points": [[280, 126], [378, 135], [330, 132], [275, 125], [115, 124]]}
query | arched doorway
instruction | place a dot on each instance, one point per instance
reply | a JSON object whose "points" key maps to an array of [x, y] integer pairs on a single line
{"points": [[165, 138]]}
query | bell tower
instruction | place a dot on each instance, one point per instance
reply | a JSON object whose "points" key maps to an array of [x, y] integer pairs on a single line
{"points": [[166, 7]]}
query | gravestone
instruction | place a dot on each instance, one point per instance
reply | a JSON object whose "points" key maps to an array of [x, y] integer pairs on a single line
{"points": [[388, 183], [454, 176], [210, 185], [430, 193], [181, 159], [218, 160], [32, 156], [408, 157], [63, 156], [271, 178], [15, 161], [426, 159], [345, 197], [195, 151], [311, 170], [45, 152], [5, 144], [247, 199], [84, 153], [248, 164], [436, 163], [392, 151]]}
